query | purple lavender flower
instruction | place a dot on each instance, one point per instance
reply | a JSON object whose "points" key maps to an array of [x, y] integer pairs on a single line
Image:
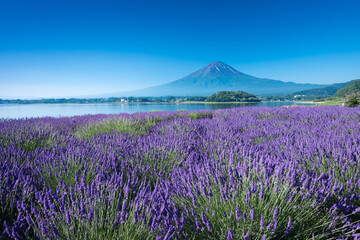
{"points": [[208, 225], [262, 223], [247, 235], [230, 234], [289, 225], [276, 212], [252, 214], [261, 193], [248, 196], [238, 213], [197, 223], [67, 216], [91, 214], [275, 227]]}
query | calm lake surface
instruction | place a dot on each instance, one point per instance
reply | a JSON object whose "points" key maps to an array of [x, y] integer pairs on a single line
{"points": [[58, 110]]}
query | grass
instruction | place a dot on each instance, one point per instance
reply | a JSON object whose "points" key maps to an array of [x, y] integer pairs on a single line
{"points": [[329, 101], [203, 102], [117, 125], [200, 115]]}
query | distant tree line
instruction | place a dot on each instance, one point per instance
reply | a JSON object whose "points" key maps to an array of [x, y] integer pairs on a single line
{"points": [[293, 97], [196, 99], [223, 96], [233, 96], [165, 99]]}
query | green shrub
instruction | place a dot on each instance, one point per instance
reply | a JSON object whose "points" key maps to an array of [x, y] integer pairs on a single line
{"points": [[121, 125], [352, 100], [199, 115]]}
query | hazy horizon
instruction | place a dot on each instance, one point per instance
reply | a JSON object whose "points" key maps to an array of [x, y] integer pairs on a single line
{"points": [[73, 49]]}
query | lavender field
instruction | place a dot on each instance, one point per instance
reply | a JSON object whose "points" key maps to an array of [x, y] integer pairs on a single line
{"points": [[243, 173]]}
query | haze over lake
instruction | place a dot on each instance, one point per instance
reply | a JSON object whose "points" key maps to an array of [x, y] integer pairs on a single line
{"points": [[57, 110]]}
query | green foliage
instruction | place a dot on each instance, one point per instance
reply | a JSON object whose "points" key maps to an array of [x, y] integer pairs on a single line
{"points": [[120, 125], [349, 89], [323, 92], [105, 223], [150, 122], [199, 115], [170, 99], [39, 142], [309, 220], [232, 96], [196, 99], [70, 170], [352, 100], [330, 101]]}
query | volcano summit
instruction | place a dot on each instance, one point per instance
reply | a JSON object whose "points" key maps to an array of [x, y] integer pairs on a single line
{"points": [[219, 76]]}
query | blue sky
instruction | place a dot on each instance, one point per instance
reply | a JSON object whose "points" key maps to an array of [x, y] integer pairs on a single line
{"points": [[73, 48]]}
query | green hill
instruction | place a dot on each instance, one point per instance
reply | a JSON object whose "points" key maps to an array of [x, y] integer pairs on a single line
{"points": [[232, 96], [354, 86], [325, 91]]}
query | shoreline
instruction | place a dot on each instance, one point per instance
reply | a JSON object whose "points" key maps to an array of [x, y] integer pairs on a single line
{"points": [[185, 102], [203, 102]]}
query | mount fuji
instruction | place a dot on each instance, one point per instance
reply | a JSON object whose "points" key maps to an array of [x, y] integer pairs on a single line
{"points": [[216, 77]]}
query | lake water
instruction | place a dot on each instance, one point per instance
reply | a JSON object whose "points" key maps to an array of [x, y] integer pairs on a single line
{"points": [[57, 110]]}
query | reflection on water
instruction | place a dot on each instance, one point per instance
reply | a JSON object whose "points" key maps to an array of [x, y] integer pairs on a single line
{"points": [[56, 110]]}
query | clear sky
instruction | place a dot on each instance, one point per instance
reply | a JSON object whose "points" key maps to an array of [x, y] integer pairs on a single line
{"points": [[72, 48]]}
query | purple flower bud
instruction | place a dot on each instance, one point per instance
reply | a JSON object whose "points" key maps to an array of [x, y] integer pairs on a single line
{"points": [[68, 218], [262, 223], [7, 229], [269, 226], [238, 213], [193, 213], [261, 193], [289, 225], [43, 228], [276, 212], [15, 235], [203, 218], [253, 187], [197, 223], [182, 219], [210, 192], [91, 214], [230, 234], [246, 236], [208, 225], [275, 226], [248, 196], [252, 214]]}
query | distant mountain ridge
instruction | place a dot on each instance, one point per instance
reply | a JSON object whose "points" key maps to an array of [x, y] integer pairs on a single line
{"points": [[328, 91], [216, 77], [353, 87]]}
